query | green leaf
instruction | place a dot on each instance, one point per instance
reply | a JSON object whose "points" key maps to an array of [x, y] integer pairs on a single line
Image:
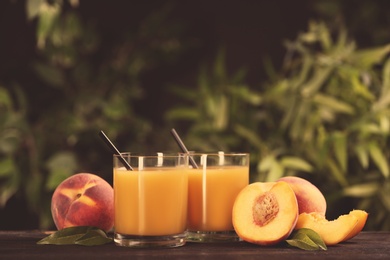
{"points": [[306, 239], [10, 140], [182, 113], [247, 95], [66, 236], [266, 163], [80, 235], [370, 129], [302, 241], [275, 172], [386, 77], [362, 154], [93, 238], [249, 135], [340, 149], [362, 190], [314, 236], [368, 57], [337, 172], [320, 75], [384, 197], [221, 114], [7, 166], [5, 98], [61, 165], [333, 103], [33, 8], [379, 158], [384, 124], [298, 122], [296, 163], [383, 101], [48, 14]]}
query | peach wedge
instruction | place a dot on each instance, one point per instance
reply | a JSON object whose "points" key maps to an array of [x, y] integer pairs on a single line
{"points": [[331, 232], [362, 218], [265, 213]]}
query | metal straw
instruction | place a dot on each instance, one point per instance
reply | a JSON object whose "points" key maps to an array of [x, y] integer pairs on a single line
{"points": [[183, 147], [115, 150]]}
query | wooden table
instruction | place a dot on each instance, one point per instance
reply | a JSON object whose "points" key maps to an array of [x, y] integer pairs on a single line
{"points": [[22, 245]]}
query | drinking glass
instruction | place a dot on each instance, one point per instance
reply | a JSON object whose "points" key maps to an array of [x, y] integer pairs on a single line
{"points": [[150, 200], [214, 180]]}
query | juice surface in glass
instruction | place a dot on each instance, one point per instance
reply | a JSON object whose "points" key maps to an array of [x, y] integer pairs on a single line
{"points": [[210, 208], [151, 202]]}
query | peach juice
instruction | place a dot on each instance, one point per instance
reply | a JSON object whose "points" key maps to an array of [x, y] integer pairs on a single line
{"points": [[150, 201], [212, 190]]}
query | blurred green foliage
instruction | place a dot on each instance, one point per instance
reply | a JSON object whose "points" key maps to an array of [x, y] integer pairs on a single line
{"points": [[324, 115], [49, 132]]}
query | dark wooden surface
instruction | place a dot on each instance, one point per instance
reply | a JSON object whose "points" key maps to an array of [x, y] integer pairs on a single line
{"points": [[22, 245]]}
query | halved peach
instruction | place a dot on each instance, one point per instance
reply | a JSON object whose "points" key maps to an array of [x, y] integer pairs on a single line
{"points": [[331, 232], [265, 213], [362, 218]]}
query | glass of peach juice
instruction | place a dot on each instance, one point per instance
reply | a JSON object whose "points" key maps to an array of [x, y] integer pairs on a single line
{"points": [[214, 181], [150, 201]]}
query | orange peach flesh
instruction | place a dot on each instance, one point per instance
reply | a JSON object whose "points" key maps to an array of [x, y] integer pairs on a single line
{"points": [[362, 217], [331, 232], [265, 214]]}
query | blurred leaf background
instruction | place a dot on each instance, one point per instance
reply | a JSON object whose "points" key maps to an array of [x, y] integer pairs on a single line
{"points": [[317, 107]]}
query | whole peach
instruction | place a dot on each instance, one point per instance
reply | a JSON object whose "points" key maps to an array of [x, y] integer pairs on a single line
{"points": [[83, 199], [309, 197]]}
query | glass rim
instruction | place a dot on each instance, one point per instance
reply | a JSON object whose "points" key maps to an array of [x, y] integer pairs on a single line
{"points": [[171, 154], [150, 155], [216, 153]]}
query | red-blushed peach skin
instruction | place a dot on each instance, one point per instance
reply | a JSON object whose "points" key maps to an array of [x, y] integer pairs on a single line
{"points": [[83, 199], [362, 219], [332, 232], [309, 197], [265, 213]]}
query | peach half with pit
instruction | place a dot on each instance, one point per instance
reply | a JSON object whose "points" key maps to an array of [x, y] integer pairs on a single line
{"points": [[83, 199], [265, 213], [309, 197]]}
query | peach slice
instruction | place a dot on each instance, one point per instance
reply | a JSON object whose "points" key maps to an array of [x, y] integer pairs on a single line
{"points": [[362, 218], [309, 197], [331, 232], [265, 213]]}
